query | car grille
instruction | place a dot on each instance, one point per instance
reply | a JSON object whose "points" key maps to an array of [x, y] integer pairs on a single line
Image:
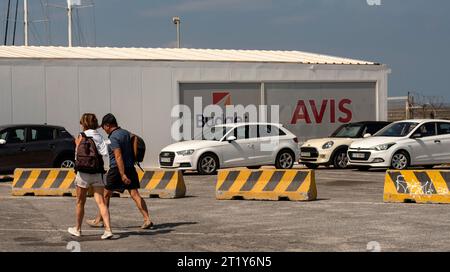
{"points": [[169, 155], [311, 150], [354, 157]]}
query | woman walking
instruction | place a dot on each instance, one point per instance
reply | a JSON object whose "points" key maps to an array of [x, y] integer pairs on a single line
{"points": [[90, 149]]}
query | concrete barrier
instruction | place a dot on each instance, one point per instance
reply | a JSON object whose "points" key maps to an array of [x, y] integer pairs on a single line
{"points": [[267, 184], [44, 182], [417, 186], [61, 182], [161, 183]]}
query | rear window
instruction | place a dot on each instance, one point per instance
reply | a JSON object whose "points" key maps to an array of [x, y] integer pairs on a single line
{"points": [[443, 128], [64, 134], [42, 134], [270, 131]]}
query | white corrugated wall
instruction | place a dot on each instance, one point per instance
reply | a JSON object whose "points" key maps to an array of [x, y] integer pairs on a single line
{"points": [[141, 93]]}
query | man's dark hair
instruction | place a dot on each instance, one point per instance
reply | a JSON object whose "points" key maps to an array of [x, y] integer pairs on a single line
{"points": [[109, 119]]}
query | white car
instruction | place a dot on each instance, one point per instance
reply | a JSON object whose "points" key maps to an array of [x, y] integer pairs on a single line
{"points": [[403, 144], [233, 145], [333, 150]]}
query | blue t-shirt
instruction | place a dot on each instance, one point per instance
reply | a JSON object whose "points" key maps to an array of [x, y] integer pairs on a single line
{"points": [[120, 138]]}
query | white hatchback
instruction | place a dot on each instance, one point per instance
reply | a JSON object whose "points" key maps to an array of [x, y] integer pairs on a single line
{"points": [[233, 145], [403, 144]]}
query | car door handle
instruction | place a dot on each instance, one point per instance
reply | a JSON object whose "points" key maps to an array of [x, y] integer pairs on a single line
{"points": [[251, 145], [437, 141]]}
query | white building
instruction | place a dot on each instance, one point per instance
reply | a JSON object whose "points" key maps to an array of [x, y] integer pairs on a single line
{"points": [[55, 85]]}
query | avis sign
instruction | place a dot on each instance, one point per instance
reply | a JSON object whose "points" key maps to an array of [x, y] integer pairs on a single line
{"points": [[313, 111]]}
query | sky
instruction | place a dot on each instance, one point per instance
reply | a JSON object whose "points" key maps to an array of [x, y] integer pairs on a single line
{"points": [[412, 37]]}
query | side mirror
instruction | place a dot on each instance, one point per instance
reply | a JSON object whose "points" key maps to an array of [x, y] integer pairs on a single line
{"points": [[367, 135], [416, 136], [231, 139], [2, 142]]}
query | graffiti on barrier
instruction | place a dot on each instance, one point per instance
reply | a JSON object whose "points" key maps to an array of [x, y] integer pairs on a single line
{"points": [[423, 189]]}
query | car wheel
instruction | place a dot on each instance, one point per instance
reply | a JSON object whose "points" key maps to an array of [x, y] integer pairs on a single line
{"points": [[311, 165], [66, 163], [340, 160], [400, 161], [208, 164], [285, 160], [254, 167]]}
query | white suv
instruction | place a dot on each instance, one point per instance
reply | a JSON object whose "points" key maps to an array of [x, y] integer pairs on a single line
{"points": [[233, 145], [403, 144]]}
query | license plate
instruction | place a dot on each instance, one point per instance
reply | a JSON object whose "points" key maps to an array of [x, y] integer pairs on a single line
{"points": [[359, 155], [165, 159], [305, 154]]}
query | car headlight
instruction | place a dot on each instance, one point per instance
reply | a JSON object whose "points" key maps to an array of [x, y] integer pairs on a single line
{"points": [[328, 145], [383, 147], [185, 152]]}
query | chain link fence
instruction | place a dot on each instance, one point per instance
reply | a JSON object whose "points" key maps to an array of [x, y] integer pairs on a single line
{"points": [[417, 106]]}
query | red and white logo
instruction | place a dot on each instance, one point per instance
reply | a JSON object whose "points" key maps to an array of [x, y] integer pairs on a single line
{"points": [[221, 98]]}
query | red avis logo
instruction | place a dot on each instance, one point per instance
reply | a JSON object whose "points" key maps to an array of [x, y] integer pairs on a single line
{"points": [[223, 98], [301, 111]]}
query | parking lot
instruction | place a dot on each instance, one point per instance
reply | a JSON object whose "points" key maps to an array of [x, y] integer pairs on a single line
{"points": [[348, 215]]}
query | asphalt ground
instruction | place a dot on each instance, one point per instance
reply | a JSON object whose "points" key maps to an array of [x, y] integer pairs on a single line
{"points": [[349, 215]]}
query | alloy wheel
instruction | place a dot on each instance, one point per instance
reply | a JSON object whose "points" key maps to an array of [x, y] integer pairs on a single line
{"points": [[67, 164], [208, 164], [400, 161], [342, 160], [286, 161]]}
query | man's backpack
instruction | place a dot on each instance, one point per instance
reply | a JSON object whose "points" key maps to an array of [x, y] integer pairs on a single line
{"points": [[139, 148], [88, 160]]}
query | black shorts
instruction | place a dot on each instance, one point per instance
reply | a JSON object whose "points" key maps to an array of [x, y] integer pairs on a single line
{"points": [[114, 180]]}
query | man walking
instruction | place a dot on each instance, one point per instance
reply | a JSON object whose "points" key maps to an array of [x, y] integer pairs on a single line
{"points": [[122, 174]]}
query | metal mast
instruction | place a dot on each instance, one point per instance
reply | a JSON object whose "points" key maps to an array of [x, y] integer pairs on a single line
{"points": [[25, 21], [69, 22]]}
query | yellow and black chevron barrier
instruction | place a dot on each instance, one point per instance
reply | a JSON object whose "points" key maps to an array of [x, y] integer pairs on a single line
{"points": [[161, 183], [295, 185], [44, 182], [419, 186]]}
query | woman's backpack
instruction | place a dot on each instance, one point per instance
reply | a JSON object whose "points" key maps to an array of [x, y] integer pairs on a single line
{"points": [[88, 160]]}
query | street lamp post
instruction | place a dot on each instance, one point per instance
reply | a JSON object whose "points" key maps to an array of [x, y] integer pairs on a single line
{"points": [[177, 21]]}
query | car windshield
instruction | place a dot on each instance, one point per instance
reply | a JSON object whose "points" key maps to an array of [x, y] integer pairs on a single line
{"points": [[348, 131], [401, 129], [215, 133]]}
